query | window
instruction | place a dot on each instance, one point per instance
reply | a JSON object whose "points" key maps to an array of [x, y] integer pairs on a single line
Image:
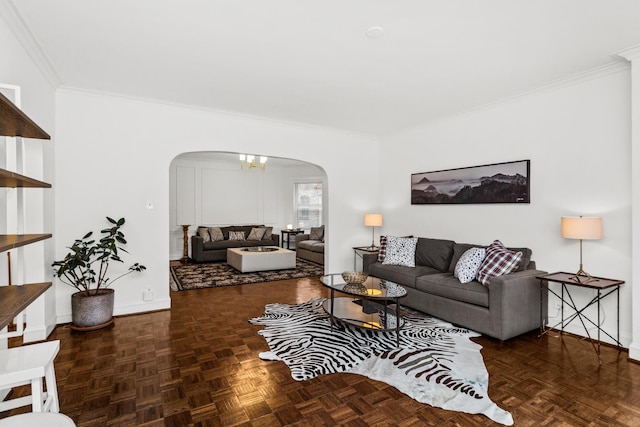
{"points": [[307, 201]]}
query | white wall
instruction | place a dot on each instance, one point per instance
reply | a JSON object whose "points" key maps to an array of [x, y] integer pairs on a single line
{"points": [[37, 101], [113, 156], [577, 136], [208, 190]]}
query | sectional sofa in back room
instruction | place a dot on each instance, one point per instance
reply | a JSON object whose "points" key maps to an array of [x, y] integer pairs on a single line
{"points": [[489, 289]]}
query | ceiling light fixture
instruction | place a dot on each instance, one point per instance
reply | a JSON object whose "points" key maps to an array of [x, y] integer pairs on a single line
{"points": [[374, 32], [249, 160]]}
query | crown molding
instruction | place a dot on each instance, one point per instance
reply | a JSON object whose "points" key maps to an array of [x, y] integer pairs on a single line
{"points": [[19, 28], [584, 76], [70, 89], [630, 54]]}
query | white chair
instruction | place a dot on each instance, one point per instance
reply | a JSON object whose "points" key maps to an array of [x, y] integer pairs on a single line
{"points": [[37, 419], [28, 364]]}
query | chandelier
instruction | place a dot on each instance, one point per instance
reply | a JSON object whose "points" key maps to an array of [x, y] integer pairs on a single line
{"points": [[249, 160]]}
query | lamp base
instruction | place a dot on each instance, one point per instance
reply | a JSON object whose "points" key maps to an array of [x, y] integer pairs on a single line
{"points": [[582, 276]]}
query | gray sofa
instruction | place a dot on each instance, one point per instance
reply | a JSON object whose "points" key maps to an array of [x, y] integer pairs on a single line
{"points": [[311, 246], [509, 306], [209, 251]]}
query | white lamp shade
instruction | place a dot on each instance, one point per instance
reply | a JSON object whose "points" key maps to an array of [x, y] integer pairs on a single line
{"points": [[581, 227], [373, 220]]}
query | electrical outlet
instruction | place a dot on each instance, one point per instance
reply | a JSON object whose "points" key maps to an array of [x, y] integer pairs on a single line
{"points": [[147, 295]]}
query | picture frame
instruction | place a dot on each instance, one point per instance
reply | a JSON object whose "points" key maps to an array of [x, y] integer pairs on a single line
{"points": [[507, 182]]}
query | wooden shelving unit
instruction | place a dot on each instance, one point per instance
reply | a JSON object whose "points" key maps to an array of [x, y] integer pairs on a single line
{"points": [[13, 122], [15, 299], [12, 241], [15, 180]]}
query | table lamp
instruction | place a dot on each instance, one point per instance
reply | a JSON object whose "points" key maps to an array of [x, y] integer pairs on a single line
{"points": [[581, 228], [373, 220]]}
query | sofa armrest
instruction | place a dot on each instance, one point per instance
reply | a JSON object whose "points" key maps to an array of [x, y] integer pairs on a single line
{"points": [[368, 259], [519, 297], [276, 239], [197, 247], [301, 237]]}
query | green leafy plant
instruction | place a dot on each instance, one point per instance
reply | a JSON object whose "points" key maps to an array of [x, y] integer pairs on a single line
{"points": [[85, 266]]}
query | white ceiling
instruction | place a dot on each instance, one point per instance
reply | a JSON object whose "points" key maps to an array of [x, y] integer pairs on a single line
{"points": [[310, 60]]}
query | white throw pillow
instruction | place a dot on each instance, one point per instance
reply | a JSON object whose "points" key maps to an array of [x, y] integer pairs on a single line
{"points": [[468, 265], [401, 251]]}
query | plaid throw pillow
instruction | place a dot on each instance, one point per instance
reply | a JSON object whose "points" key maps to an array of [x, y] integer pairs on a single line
{"points": [[498, 261], [382, 252]]}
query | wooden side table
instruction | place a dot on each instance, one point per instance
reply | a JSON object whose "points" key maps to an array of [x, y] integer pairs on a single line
{"points": [[600, 284], [185, 243]]}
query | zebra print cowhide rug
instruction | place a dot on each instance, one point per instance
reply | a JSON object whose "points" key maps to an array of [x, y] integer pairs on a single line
{"points": [[436, 363]]}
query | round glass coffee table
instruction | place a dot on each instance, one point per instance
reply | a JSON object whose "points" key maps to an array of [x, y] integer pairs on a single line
{"points": [[367, 305]]}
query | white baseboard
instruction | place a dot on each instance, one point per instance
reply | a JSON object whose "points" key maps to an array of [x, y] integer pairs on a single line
{"points": [[634, 351], [139, 308]]}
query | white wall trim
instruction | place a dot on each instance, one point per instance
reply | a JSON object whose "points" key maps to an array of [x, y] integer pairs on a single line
{"points": [[225, 113], [593, 73], [633, 56], [137, 308], [18, 27]]}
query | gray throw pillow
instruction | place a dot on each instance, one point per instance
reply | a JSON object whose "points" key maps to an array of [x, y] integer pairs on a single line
{"points": [[267, 233], [256, 234], [216, 234], [316, 233], [204, 233]]}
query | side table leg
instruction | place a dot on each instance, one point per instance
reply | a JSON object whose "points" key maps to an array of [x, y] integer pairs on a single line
{"points": [[599, 325], [397, 323]]}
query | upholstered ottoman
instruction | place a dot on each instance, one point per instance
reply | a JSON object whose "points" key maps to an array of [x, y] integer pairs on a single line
{"points": [[260, 258]]}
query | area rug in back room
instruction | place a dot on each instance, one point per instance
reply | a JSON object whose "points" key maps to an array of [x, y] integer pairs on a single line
{"points": [[214, 274], [436, 363]]}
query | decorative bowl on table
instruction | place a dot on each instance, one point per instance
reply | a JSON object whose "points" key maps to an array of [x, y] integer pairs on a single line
{"points": [[354, 277]]}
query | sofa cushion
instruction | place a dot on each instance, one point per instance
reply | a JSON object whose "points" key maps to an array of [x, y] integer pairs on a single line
{"points": [[223, 244], [316, 233], [447, 286], [469, 264], [246, 229], [204, 233], [267, 233], [236, 235], [216, 234], [256, 233], [499, 261], [401, 251], [434, 253], [405, 276], [311, 245], [460, 248]]}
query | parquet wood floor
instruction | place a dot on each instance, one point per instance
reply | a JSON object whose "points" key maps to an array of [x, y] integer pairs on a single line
{"points": [[197, 365]]}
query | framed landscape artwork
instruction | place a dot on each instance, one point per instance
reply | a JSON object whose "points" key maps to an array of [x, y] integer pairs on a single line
{"points": [[495, 183]]}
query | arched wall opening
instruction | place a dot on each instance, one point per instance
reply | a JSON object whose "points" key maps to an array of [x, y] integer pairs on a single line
{"points": [[212, 189]]}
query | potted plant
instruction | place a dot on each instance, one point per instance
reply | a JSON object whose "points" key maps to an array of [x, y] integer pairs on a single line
{"points": [[85, 268]]}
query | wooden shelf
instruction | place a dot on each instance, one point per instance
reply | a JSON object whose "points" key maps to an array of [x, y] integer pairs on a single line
{"points": [[13, 122], [12, 241], [13, 180], [15, 299]]}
